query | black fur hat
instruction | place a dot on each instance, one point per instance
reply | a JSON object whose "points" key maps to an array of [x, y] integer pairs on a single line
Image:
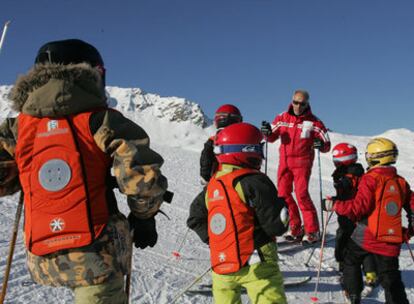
{"points": [[69, 51]]}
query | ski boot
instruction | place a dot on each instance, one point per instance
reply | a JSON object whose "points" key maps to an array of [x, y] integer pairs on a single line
{"points": [[294, 235], [311, 238], [371, 281]]}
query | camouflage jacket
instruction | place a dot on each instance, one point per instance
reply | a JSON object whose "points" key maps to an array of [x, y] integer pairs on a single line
{"points": [[53, 90]]}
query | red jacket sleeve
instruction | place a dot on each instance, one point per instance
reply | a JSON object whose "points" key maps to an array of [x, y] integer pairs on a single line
{"points": [[364, 202], [322, 133]]}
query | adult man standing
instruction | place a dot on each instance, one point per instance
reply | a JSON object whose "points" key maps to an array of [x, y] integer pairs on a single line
{"points": [[300, 132], [65, 141]]}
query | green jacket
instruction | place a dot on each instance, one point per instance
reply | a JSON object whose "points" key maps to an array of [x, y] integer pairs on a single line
{"points": [[53, 90]]}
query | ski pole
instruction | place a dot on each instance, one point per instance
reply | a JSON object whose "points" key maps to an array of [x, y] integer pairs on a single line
{"points": [[11, 248], [266, 145], [129, 274], [315, 297], [3, 36], [176, 253], [409, 249], [320, 185], [196, 280], [314, 248], [264, 123]]}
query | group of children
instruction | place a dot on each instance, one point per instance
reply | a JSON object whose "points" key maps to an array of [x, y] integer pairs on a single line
{"points": [[239, 214]]}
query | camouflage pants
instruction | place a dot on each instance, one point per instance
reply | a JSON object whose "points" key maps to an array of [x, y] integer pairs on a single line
{"points": [[111, 292], [106, 259]]}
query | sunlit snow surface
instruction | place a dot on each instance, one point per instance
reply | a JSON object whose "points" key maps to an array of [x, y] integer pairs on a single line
{"points": [[157, 275]]}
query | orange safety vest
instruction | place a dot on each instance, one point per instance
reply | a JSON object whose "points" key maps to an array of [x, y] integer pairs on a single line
{"points": [[63, 174], [385, 221], [230, 224]]}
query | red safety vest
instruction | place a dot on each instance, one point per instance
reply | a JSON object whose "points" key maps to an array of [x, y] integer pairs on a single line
{"points": [[63, 176], [230, 224], [385, 221]]}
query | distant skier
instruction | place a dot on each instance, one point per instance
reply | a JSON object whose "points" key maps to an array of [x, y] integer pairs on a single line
{"points": [[346, 178], [300, 132], [65, 142], [238, 214], [377, 209], [225, 115]]}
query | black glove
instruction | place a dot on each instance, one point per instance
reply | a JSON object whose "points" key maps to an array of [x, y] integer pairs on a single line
{"points": [[266, 128], [145, 233], [318, 144]]}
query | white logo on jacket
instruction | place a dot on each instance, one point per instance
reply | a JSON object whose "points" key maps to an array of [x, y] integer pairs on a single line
{"points": [[52, 124], [57, 225]]}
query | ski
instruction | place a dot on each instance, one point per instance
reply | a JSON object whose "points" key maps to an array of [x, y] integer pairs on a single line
{"points": [[206, 289]]}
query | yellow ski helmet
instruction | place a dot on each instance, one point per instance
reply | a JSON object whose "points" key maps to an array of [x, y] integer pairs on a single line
{"points": [[381, 151]]}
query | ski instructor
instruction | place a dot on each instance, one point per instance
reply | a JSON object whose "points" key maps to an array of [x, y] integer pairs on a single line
{"points": [[300, 132], [65, 141]]}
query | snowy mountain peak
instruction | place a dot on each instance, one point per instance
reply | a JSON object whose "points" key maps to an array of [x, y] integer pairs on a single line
{"points": [[171, 121], [175, 109]]}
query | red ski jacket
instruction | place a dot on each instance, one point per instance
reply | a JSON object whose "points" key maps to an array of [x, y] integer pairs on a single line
{"points": [[365, 204], [296, 142]]}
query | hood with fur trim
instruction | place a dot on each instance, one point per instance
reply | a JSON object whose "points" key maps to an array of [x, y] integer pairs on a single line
{"points": [[55, 90]]}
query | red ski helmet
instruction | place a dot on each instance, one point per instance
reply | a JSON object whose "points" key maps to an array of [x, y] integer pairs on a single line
{"points": [[344, 154], [240, 144], [226, 115]]}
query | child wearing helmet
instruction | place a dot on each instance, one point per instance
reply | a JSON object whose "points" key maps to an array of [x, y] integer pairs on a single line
{"points": [[225, 115], [346, 178], [377, 211], [238, 214], [60, 152]]}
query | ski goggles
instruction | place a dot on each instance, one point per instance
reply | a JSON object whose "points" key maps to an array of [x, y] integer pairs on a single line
{"points": [[239, 148]]}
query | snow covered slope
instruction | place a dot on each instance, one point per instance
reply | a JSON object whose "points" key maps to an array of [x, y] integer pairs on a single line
{"points": [[176, 129]]}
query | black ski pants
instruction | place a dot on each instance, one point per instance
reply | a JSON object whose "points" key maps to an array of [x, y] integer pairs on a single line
{"points": [[389, 275]]}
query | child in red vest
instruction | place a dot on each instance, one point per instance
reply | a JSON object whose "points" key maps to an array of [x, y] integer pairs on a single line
{"points": [[346, 178], [377, 210], [238, 214]]}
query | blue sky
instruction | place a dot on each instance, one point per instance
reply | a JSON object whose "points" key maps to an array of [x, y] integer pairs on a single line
{"points": [[355, 57]]}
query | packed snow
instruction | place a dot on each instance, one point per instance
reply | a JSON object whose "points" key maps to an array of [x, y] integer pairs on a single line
{"points": [[178, 129]]}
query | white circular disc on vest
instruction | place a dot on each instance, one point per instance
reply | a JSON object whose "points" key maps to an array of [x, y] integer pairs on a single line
{"points": [[218, 223], [54, 175], [391, 208]]}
